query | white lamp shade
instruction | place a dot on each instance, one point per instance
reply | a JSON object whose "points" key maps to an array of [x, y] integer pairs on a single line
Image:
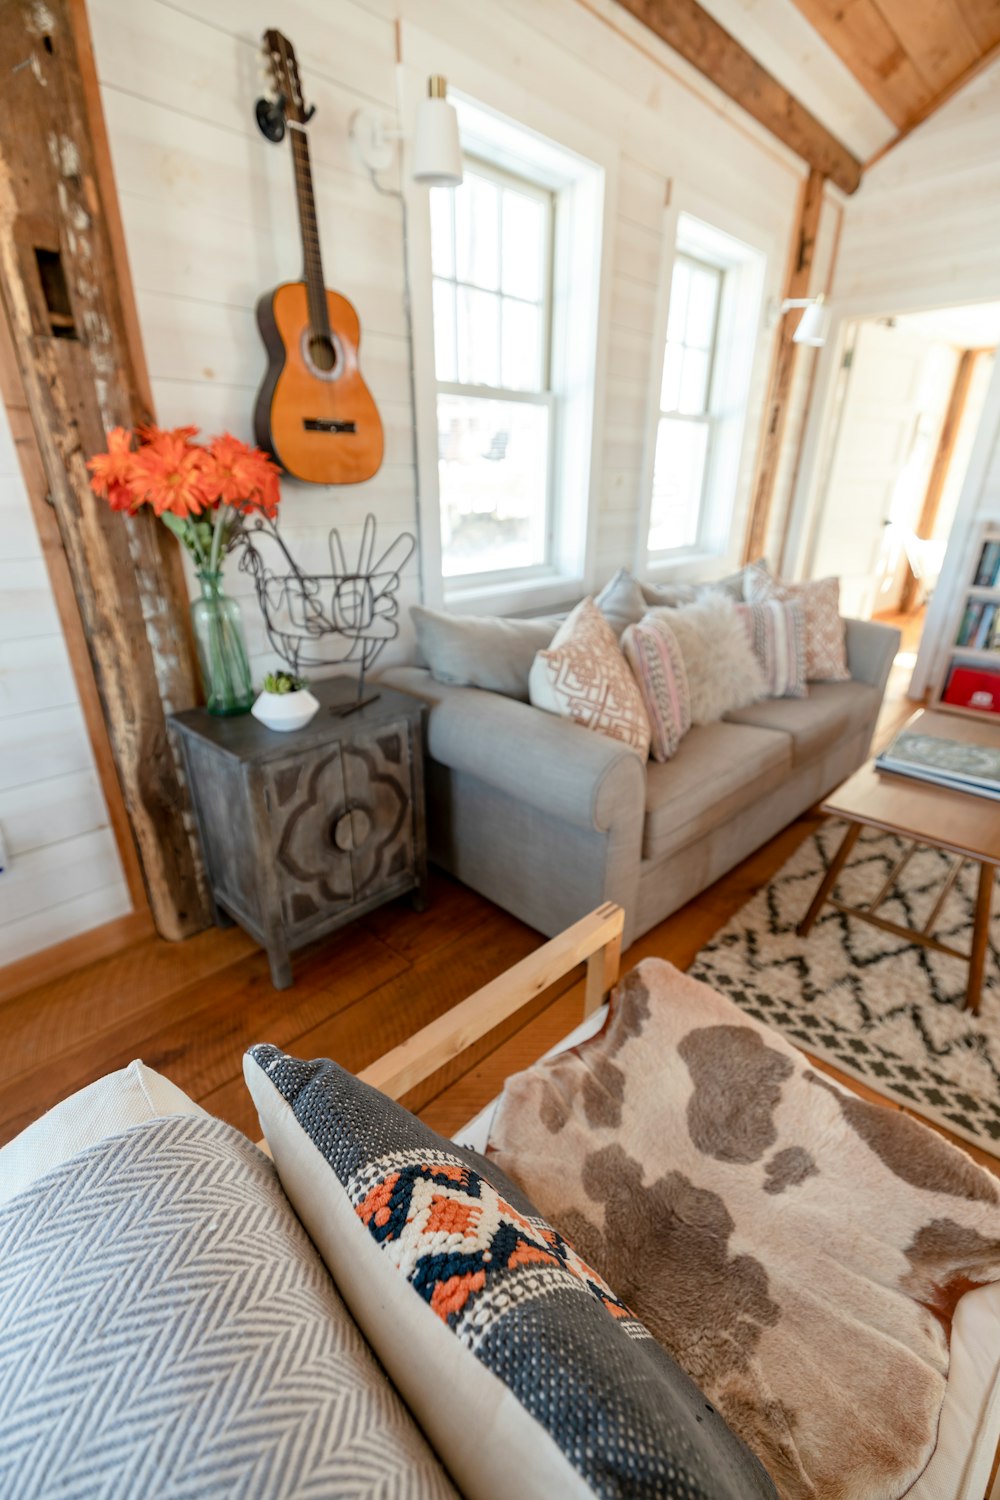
{"points": [[814, 325], [437, 151]]}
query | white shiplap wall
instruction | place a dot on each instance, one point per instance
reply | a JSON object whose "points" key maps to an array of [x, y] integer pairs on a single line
{"points": [[63, 873]]}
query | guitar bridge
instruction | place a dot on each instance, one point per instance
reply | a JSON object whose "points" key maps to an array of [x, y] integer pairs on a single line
{"points": [[325, 424]]}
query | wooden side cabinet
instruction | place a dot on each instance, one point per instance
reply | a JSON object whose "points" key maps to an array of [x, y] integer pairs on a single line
{"points": [[304, 831]]}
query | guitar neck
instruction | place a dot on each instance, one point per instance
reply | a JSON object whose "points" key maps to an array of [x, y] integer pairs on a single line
{"points": [[312, 260]]}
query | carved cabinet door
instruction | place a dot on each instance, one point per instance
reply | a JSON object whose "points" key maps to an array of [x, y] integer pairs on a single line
{"points": [[305, 799], [377, 828]]}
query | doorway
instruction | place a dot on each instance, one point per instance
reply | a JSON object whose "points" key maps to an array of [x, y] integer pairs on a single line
{"points": [[909, 398]]}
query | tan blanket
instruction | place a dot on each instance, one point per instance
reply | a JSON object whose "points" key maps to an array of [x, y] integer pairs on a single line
{"points": [[797, 1250]]}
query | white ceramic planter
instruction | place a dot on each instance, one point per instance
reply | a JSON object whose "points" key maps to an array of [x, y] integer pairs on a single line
{"points": [[285, 710]]}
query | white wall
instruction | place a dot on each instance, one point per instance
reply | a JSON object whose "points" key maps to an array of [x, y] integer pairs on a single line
{"points": [[209, 214], [63, 873]]}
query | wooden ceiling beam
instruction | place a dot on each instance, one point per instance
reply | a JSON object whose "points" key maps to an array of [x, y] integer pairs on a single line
{"points": [[702, 42]]}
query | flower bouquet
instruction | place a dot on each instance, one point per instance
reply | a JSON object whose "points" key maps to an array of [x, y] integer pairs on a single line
{"points": [[203, 492]]}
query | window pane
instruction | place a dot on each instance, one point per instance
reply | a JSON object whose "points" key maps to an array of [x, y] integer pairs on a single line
{"points": [[523, 246], [444, 330], [477, 230], [478, 337], [680, 285], [670, 390], [704, 294], [521, 364], [693, 400], [678, 482], [493, 467], [442, 232]]}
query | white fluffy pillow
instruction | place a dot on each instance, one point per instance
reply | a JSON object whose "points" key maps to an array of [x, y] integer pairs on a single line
{"points": [[723, 672]]}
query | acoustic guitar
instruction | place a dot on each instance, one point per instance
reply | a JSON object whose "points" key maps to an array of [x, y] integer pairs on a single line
{"points": [[314, 412]]}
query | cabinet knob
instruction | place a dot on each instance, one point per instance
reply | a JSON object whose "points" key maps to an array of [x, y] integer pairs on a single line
{"points": [[351, 830]]}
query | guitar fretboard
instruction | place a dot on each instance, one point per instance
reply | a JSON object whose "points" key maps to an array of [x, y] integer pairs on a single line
{"points": [[312, 260]]}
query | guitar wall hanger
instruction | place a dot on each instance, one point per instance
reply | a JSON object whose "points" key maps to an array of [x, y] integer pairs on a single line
{"points": [[270, 115]]}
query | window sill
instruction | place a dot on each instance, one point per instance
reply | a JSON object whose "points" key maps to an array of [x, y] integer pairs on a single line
{"points": [[532, 595]]}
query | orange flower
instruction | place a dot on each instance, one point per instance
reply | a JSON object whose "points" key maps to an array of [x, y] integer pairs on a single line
{"points": [[244, 477], [113, 471], [169, 473]]}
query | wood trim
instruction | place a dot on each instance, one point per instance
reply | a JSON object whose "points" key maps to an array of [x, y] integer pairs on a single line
{"points": [[702, 42], [783, 369], [939, 469], [595, 938], [81, 377], [57, 567], [933, 105], [86, 948]]}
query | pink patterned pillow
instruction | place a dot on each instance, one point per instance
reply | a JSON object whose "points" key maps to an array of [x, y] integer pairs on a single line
{"points": [[583, 676], [777, 633], [652, 652], [826, 642]]}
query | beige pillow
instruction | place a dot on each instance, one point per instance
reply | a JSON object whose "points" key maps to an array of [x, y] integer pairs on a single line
{"points": [[826, 637], [583, 676], [483, 651], [722, 671], [621, 601]]}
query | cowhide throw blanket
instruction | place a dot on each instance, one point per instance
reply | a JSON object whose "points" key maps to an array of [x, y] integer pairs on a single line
{"points": [[797, 1250]]}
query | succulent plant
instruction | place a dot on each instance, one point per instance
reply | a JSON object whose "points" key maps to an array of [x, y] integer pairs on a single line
{"points": [[283, 682]]}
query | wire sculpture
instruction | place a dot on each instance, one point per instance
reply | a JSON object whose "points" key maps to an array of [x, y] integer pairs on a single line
{"points": [[328, 619]]}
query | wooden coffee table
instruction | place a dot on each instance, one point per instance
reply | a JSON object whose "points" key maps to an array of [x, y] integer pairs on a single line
{"points": [[961, 823]]}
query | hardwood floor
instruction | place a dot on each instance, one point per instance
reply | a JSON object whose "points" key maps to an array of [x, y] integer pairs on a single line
{"points": [[189, 1010]]}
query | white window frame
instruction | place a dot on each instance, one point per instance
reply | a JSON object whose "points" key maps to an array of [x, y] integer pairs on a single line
{"points": [[580, 166], [700, 229], [459, 583]]}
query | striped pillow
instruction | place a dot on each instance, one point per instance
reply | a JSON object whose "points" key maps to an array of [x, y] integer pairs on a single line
{"points": [[777, 633], [652, 652]]}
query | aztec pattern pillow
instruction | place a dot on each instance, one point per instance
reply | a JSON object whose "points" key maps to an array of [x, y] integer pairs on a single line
{"points": [[722, 671], [657, 665], [810, 1247], [777, 633], [584, 677], [826, 636], [529, 1375], [167, 1329]]}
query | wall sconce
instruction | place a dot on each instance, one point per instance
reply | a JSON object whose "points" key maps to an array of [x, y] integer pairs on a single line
{"points": [[814, 324], [437, 150]]}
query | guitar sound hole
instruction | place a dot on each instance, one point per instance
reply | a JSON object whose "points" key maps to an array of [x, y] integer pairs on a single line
{"points": [[322, 353]]}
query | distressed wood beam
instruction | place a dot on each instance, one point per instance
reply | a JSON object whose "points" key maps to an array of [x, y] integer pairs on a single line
{"points": [[797, 285], [702, 42], [66, 296]]}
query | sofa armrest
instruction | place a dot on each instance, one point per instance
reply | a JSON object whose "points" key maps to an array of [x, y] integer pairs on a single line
{"points": [[534, 757], [871, 651]]}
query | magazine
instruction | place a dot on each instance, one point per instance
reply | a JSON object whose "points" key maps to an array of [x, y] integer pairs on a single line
{"points": [[951, 763]]}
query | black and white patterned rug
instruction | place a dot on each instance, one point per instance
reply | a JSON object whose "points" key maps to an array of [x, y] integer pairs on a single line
{"points": [[886, 1011]]}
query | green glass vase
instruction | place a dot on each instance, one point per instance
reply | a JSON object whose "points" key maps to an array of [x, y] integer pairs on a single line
{"points": [[222, 651]]}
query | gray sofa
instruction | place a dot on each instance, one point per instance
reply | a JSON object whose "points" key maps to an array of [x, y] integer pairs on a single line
{"points": [[548, 819]]}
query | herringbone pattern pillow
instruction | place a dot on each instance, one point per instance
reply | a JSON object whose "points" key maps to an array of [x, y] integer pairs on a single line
{"points": [[168, 1330]]}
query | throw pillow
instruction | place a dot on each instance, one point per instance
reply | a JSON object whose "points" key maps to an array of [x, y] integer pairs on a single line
{"points": [[797, 1249], [652, 652], [525, 1370], [621, 601], [722, 671], [584, 677], [167, 1328], [826, 640], [483, 651], [777, 633]]}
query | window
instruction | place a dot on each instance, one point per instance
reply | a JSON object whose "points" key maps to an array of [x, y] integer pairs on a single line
{"points": [[699, 464], [684, 429], [491, 249]]}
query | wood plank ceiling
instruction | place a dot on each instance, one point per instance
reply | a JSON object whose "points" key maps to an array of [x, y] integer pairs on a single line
{"points": [[908, 55]]}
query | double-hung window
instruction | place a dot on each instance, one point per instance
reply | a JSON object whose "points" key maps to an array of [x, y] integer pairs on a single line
{"points": [[491, 248], [684, 432]]}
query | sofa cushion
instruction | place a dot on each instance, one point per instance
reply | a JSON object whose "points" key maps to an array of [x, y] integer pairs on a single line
{"points": [[718, 769], [483, 651], [584, 677], [656, 663], [777, 632], [168, 1329], [621, 601], [722, 670], [832, 711], [526, 1372], [826, 639]]}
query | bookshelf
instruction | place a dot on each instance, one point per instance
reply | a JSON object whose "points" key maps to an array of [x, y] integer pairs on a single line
{"points": [[969, 683]]}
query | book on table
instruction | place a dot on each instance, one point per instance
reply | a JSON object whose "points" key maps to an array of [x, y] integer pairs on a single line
{"points": [[956, 764]]}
